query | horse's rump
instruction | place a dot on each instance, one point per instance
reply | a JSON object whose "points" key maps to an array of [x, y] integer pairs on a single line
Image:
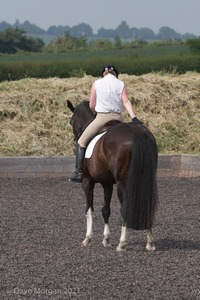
{"points": [[113, 150]]}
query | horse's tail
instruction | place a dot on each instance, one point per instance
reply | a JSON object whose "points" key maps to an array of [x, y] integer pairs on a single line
{"points": [[141, 195]]}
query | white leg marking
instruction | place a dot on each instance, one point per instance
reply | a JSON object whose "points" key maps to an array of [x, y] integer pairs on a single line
{"points": [[123, 237], [89, 223], [89, 233], [106, 236], [150, 241]]}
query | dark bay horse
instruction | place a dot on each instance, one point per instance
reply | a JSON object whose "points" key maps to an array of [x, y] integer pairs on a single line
{"points": [[126, 155]]}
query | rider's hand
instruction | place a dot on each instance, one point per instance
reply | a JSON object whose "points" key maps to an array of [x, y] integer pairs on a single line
{"points": [[137, 121]]}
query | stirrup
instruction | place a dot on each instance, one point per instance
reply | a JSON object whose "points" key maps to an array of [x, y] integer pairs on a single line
{"points": [[76, 177]]}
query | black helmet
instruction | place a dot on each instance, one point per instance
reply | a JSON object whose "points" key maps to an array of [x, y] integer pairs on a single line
{"points": [[110, 68]]}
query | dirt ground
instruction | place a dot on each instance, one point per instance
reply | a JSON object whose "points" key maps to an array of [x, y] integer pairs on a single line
{"points": [[43, 225]]}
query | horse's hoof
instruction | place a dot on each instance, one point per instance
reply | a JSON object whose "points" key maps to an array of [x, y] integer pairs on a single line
{"points": [[121, 247], [86, 243], [106, 243], [150, 247]]}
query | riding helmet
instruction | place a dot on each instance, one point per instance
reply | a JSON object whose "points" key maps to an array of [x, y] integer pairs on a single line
{"points": [[110, 69]]}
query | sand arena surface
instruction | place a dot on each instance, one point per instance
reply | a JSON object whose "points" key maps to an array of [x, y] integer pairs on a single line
{"points": [[43, 225]]}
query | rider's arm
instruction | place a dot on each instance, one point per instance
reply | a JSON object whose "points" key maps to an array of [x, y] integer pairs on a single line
{"points": [[127, 103], [92, 103]]}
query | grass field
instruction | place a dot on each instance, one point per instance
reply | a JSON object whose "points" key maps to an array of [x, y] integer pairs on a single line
{"points": [[139, 51], [138, 60], [34, 119]]}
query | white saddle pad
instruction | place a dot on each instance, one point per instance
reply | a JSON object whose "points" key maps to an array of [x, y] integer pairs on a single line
{"points": [[90, 147]]}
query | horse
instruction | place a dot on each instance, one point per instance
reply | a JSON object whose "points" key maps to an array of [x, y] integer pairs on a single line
{"points": [[125, 155]]}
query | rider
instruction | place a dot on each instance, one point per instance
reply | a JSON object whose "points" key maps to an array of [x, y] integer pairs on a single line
{"points": [[108, 95]]}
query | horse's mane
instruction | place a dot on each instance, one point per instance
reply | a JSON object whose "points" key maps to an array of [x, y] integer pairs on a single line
{"points": [[85, 103], [83, 106], [84, 112]]}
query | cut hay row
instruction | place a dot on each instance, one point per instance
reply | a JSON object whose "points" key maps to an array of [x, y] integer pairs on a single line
{"points": [[34, 119]]}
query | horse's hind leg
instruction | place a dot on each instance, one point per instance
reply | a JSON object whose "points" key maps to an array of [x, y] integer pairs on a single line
{"points": [[108, 190], [150, 241], [123, 238], [88, 187], [89, 233]]}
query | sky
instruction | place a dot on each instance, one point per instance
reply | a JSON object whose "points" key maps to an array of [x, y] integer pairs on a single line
{"points": [[181, 15]]}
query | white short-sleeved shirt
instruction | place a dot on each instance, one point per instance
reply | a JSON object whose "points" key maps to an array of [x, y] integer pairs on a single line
{"points": [[109, 94]]}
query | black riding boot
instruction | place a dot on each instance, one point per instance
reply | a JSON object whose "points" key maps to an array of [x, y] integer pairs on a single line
{"points": [[77, 176]]}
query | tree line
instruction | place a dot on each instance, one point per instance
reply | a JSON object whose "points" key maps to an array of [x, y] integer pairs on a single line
{"points": [[83, 29], [13, 40]]}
